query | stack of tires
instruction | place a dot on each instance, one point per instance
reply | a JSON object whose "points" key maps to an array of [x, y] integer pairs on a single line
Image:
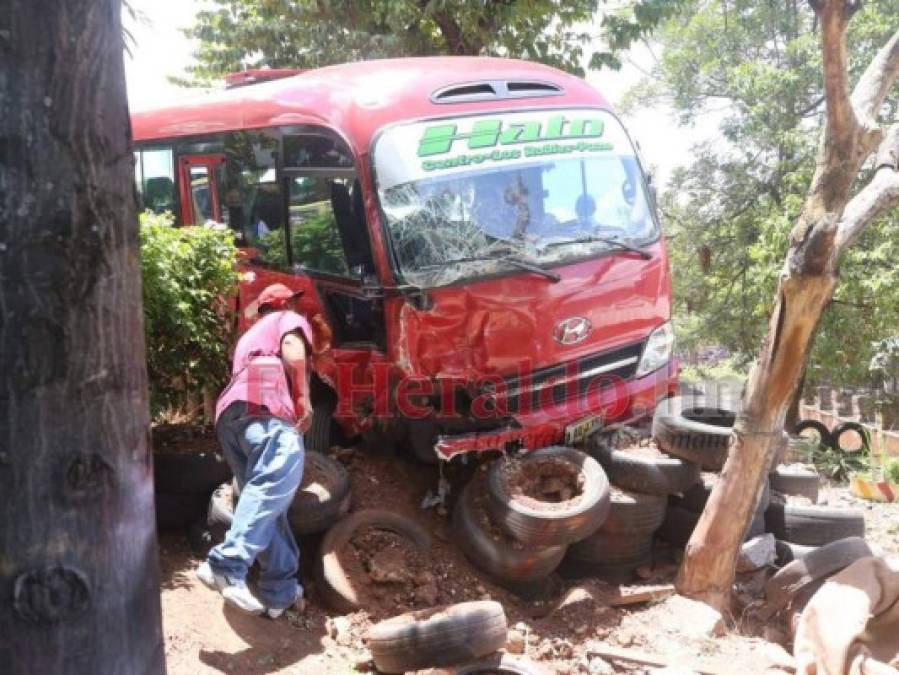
{"points": [[642, 484], [323, 497], [696, 430], [688, 428], [518, 540]]}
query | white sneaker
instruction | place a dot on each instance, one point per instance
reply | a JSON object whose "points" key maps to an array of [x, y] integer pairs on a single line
{"points": [[299, 605], [234, 591]]}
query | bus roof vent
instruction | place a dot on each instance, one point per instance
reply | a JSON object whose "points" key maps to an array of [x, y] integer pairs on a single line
{"points": [[246, 77], [494, 90]]}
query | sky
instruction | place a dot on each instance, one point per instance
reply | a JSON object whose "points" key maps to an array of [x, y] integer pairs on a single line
{"points": [[161, 50]]}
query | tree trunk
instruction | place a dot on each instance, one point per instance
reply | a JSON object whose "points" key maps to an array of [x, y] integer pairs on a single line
{"points": [[828, 224], [78, 566], [792, 418], [709, 564]]}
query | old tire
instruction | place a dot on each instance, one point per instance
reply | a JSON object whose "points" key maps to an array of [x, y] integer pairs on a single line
{"points": [[441, 636], [323, 496], [333, 583], [679, 524], [613, 557], [178, 511], [629, 471], [686, 428], [186, 473], [634, 513], [506, 560], [813, 525], [787, 552], [324, 432], [843, 429], [497, 664], [210, 531], [814, 566], [696, 497], [800, 483], [817, 429], [552, 525]]}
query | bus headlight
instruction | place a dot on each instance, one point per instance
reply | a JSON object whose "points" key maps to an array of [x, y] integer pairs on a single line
{"points": [[657, 351]]}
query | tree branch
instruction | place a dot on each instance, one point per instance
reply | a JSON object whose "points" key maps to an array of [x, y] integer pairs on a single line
{"points": [[880, 194], [841, 123], [874, 84]]}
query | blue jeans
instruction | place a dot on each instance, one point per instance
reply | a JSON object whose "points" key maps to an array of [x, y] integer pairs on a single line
{"points": [[266, 455]]}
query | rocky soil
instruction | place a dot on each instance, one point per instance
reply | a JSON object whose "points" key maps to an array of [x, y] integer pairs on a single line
{"points": [[572, 628]]}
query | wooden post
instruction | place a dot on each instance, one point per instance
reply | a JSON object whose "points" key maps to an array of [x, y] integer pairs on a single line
{"points": [[79, 586]]}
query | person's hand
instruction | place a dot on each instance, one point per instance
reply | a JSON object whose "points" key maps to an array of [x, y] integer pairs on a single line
{"points": [[304, 422]]}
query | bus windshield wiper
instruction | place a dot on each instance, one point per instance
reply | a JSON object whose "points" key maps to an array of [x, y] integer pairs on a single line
{"points": [[611, 241], [515, 262]]}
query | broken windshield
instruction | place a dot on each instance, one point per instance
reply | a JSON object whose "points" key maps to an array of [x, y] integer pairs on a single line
{"points": [[544, 187]]}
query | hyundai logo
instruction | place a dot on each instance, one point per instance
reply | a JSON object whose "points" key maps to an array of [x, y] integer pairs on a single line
{"points": [[572, 330]]}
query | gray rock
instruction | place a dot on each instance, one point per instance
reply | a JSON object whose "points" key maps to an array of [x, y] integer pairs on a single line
{"points": [[757, 553]]}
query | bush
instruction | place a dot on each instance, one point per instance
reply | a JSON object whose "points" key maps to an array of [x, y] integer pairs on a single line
{"points": [[838, 465], [189, 277], [891, 470]]}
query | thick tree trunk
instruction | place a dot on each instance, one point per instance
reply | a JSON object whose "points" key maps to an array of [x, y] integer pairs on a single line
{"points": [[78, 568], [710, 560]]}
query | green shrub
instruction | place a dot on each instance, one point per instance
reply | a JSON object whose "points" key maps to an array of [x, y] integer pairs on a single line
{"points": [[839, 465], [189, 276], [891, 470]]}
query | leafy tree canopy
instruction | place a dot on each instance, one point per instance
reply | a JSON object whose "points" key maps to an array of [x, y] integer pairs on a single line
{"points": [[756, 68], [239, 34]]}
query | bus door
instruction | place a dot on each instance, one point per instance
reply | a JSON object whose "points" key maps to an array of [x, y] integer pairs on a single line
{"points": [[198, 186], [328, 243]]}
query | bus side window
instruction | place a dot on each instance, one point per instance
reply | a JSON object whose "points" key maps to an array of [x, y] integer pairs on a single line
{"points": [[249, 192], [316, 204], [154, 173]]}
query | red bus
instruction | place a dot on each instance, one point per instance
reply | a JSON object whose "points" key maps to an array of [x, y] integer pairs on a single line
{"points": [[474, 239]]}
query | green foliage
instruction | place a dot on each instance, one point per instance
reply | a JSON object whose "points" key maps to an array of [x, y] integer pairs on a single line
{"points": [[189, 274], [314, 243], [729, 369], [756, 68], [239, 34], [891, 471], [838, 465]]}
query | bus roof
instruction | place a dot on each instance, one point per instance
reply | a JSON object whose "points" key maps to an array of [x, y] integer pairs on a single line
{"points": [[357, 99]]}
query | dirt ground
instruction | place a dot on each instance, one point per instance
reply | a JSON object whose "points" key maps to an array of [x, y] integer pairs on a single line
{"points": [[562, 631]]}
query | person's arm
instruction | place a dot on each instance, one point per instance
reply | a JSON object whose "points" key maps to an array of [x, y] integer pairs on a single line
{"points": [[293, 354]]}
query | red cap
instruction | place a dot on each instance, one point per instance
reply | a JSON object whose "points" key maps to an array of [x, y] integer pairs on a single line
{"points": [[276, 296]]}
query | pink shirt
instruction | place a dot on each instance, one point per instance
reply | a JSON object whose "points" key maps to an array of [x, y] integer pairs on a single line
{"points": [[257, 373]]}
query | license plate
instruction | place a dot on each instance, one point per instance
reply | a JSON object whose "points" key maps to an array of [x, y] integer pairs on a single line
{"points": [[578, 431]]}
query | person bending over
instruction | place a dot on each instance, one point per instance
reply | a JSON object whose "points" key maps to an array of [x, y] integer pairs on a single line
{"points": [[260, 418]]}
